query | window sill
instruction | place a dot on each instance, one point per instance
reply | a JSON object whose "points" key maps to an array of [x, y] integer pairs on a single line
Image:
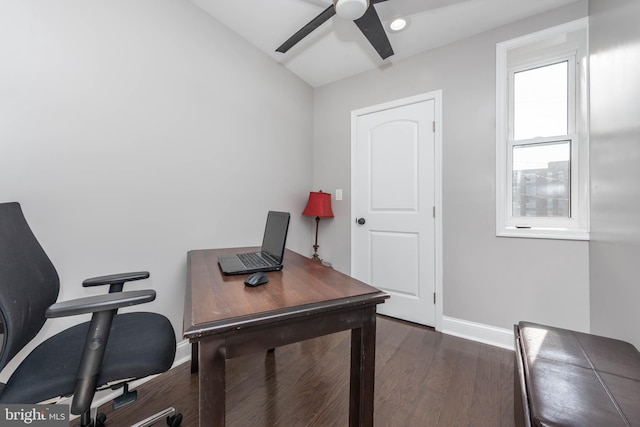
{"points": [[544, 233]]}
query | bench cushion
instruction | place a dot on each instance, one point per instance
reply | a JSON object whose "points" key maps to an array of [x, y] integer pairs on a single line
{"points": [[579, 379]]}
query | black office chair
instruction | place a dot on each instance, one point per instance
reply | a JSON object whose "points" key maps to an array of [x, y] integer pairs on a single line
{"points": [[106, 352]]}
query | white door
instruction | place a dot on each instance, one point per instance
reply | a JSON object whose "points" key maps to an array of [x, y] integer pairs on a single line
{"points": [[393, 186]]}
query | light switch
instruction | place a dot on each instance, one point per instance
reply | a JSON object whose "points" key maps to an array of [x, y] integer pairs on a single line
{"points": [[339, 194]]}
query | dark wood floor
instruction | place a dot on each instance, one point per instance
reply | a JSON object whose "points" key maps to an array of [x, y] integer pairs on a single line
{"points": [[423, 378]]}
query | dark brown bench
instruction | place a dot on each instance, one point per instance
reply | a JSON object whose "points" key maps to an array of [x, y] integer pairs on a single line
{"points": [[568, 378]]}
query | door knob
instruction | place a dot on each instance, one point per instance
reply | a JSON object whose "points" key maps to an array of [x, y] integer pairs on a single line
{"points": [[360, 221]]}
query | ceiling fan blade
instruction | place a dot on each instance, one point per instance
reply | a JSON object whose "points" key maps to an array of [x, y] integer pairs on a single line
{"points": [[373, 30], [307, 29]]}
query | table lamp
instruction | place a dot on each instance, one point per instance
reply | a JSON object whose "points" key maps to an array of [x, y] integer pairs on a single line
{"points": [[319, 205]]}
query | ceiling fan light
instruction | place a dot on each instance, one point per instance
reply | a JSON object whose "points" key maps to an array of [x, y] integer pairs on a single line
{"points": [[351, 9]]}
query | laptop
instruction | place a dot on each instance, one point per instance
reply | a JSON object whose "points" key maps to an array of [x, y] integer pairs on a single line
{"points": [[270, 256]]}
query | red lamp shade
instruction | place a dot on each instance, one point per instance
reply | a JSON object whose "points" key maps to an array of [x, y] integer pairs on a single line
{"points": [[319, 205]]}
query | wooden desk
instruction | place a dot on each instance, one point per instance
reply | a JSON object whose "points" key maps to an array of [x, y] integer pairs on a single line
{"points": [[225, 319]]}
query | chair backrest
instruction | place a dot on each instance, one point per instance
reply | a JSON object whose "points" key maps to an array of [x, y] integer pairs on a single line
{"points": [[28, 282]]}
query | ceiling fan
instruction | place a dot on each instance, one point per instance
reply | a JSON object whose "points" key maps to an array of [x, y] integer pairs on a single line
{"points": [[361, 12]]}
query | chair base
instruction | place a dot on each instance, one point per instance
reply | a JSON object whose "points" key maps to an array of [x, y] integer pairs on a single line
{"points": [[98, 421], [173, 419]]}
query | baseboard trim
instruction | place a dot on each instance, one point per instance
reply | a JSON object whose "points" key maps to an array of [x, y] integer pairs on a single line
{"points": [[479, 332], [183, 354]]}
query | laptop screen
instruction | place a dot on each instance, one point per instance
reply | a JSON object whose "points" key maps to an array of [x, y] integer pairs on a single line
{"points": [[275, 234]]}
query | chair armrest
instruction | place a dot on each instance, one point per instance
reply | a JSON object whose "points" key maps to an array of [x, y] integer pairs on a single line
{"points": [[99, 303], [114, 279]]}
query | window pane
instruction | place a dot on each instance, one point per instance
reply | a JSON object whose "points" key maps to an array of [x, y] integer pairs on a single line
{"points": [[540, 105], [542, 180]]}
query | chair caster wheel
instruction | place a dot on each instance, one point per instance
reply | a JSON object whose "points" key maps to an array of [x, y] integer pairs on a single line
{"points": [[175, 420], [100, 419]]}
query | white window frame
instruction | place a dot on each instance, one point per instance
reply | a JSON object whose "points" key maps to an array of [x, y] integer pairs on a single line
{"points": [[577, 226]]}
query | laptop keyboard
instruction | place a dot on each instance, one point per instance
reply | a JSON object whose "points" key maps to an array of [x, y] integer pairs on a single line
{"points": [[253, 260]]}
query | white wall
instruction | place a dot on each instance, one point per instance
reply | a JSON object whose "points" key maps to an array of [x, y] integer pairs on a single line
{"points": [[134, 131], [614, 39], [487, 280]]}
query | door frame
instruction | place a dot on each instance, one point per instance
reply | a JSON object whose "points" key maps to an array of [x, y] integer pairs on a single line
{"points": [[436, 96]]}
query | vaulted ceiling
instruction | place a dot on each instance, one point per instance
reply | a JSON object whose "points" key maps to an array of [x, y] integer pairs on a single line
{"points": [[337, 49]]}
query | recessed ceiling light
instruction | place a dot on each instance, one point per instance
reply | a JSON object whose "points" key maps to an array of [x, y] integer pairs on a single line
{"points": [[398, 24]]}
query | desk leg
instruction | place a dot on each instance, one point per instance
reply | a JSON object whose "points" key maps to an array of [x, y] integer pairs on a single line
{"points": [[212, 359], [194, 357], [363, 364]]}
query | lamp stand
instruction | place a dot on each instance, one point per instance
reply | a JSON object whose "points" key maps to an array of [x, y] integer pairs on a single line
{"points": [[315, 256]]}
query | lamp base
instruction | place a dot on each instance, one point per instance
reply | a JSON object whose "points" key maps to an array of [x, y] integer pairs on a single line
{"points": [[315, 256]]}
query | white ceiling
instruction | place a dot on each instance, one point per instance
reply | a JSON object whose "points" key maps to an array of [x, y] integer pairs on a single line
{"points": [[337, 49]]}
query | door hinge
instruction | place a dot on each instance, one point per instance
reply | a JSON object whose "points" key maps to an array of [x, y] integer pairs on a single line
{"points": [[434, 211], [434, 297], [433, 126]]}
